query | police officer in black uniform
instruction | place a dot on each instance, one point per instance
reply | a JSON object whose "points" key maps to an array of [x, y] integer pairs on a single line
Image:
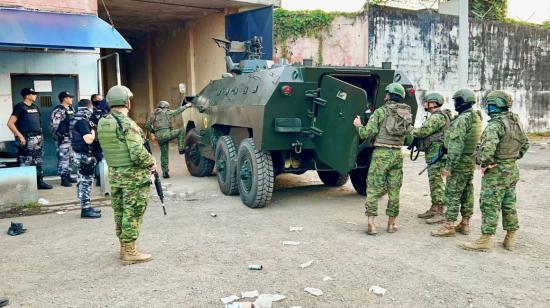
{"points": [[61, 119], [24, 123], [84, 144]]}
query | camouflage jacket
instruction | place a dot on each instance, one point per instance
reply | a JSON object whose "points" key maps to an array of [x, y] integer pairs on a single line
{"points": [[369, 131], [59, 127], [457, 137], [433, 124], [492, 136], [169, 114], [133, 136]]}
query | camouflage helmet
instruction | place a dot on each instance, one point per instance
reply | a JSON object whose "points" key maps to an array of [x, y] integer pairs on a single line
{"points": [[499, 98], [467, 95], [119, 96], [396, 89], [163, 104], [435, 97]]}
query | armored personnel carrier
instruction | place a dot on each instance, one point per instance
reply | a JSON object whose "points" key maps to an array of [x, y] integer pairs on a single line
{"points": [[261, 120]]}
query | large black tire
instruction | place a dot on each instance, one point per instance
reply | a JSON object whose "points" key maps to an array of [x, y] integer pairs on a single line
{"points": [[197, 164], [255, 175], [226, 160], [359, 180], [333, 178]]}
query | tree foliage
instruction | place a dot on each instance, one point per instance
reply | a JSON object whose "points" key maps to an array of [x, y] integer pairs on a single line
{"points": [[489, 9]]}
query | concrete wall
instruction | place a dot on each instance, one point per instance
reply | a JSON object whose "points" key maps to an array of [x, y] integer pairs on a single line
{"points": [[82, 64], [345, 43], [73, 6], [502, 56]]}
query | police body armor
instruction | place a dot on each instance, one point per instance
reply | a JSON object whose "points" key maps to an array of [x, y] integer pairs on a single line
{"points": [[513, 138], [63, 130], [395, 126], [437, 137], [29, 122], [472, 137], [77, 140], [161, 120], [112, 142]]}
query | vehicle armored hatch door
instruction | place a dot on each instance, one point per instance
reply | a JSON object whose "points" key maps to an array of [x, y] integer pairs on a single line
{"points": [[337, 105]]}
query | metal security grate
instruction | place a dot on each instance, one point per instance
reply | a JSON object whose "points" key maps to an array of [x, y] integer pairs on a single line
{"points": [[45, 101]]}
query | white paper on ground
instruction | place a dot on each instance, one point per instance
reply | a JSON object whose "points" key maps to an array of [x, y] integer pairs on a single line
{"points": [[313, 291], [377, 290], [229, 299]]}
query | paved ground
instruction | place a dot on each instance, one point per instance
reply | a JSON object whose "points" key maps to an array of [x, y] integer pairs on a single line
{"points": [[63, 261]]}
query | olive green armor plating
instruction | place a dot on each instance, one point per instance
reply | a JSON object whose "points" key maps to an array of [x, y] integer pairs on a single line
{"points": [[252, 125]]}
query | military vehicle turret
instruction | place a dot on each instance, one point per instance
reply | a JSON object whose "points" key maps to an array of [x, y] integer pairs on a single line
{"points": [[262, 119]]}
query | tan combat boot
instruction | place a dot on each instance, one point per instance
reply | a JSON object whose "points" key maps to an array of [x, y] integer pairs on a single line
{"points": [[464, 226], [439, 216], [131, 255], [447, 230], [392, 227], [509, 240], [484, 243], [371, 229], [429, 213]]}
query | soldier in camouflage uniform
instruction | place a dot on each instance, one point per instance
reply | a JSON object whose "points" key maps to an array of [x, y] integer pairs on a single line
{"points": [[388, 126], [430, 141], [24, 123], [460, 140], [130, 169], [502, 143], [84, 144], [160, 125], [60, 128]]}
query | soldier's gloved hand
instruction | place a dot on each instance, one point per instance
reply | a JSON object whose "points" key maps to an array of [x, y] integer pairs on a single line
{"points": [[22, 140], [188, 104], [357, 122]]}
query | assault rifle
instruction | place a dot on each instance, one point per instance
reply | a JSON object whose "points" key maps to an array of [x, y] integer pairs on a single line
{"points": [[158, 185], [442, 152], [413, 147]]}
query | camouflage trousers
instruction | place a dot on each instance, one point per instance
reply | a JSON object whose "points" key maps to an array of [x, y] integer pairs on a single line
{"points": [[130, 188], [385, 173], [84, 181], [498, 193], [31, 153], [164, 136], [436, 180], [459, 191], [64, 157]]}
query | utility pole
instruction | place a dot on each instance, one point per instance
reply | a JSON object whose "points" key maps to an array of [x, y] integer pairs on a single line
{"points": [[463, 44]]}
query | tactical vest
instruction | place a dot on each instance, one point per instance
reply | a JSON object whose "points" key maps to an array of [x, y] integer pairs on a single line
{"points": [[112, 142], [437, 137], [513, 138], [77, 140], [384, 137], [472, 136], [29, 121], [161, 119], [63, 130]]}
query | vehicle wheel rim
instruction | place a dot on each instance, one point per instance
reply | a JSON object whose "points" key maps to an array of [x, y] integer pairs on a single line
{"points": [[221, 164], [246, 174]]}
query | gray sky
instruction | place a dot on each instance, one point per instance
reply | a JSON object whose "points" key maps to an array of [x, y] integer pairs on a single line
{"points": [[530, 10]]}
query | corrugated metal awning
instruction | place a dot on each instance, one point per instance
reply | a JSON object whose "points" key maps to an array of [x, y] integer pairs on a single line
{"points": [[22, 28]]}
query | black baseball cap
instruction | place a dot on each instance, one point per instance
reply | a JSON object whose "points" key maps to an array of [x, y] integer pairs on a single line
{"points": [[64, 94], [84, 103], [27, 91]]}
